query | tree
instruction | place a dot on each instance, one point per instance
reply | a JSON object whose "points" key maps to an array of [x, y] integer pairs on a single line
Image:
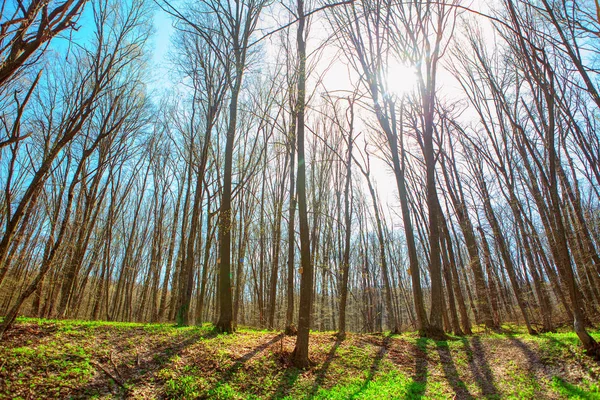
{"points": [[27, 28], [98, 71], [300, 355]]}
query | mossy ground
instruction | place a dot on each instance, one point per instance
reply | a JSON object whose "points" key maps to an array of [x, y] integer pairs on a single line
{"points": [[76, 359]]}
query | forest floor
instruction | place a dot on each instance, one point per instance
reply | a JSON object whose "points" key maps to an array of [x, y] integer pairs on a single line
{"points": [[76, 359]]}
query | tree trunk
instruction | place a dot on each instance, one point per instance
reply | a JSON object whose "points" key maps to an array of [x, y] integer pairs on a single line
{"points": [[300, 354]]}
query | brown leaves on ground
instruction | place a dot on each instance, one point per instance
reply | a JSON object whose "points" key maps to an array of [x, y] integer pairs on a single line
{"points": [[111, 361]]}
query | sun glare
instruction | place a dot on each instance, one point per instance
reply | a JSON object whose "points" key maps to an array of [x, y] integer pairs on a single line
{"points": [[400, 79]]}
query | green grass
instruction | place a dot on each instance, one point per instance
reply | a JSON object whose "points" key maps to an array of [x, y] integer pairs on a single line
{"points": [[96, 359], [392, 384], [585, 391]]}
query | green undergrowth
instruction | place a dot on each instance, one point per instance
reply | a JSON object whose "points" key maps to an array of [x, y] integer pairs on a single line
{"points": [[96, 359]]}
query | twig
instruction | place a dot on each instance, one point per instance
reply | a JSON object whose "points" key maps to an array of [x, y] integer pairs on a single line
{"points": [[111, 376], [281, 344], [115, 366], [174, 12], [308, 14]]}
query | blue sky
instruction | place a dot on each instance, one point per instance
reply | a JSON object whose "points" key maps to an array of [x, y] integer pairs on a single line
{"points": [[160, 44], [157, 48]]}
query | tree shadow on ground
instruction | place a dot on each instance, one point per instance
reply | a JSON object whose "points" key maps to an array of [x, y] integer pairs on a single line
{"points": [[479, 366], [287, 381], [535, 362], [27, 333], [450, 372], [124, 372], [320, 378], [532, 358], [240, 361], [383, 348], [571, 391], [416, 389]]}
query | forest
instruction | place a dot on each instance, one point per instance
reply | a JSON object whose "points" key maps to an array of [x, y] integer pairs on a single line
{"points": [[352, 166]]}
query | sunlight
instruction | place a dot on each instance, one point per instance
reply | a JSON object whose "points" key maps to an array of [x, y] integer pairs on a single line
{"points": [[400, 79]]}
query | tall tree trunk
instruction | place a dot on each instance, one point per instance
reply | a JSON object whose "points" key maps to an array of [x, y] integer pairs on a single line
{"points": [[457, 199], [348, 234], [276, 247], [392, 316], [289, 313], [300, 354], [170, 254], [225, 322]]}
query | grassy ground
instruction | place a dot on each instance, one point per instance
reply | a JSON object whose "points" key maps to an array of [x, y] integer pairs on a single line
{"points": [[75, 359]]}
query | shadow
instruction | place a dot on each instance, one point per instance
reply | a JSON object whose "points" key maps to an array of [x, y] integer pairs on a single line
{"points": [[287, 381], [450, 372], [532, 358], [128, 373], [28, 333], [535, 361], [229, 373], [375, 366], [416, 389], [571, 391], [240, 361], [323, 370], [480, 368]]}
